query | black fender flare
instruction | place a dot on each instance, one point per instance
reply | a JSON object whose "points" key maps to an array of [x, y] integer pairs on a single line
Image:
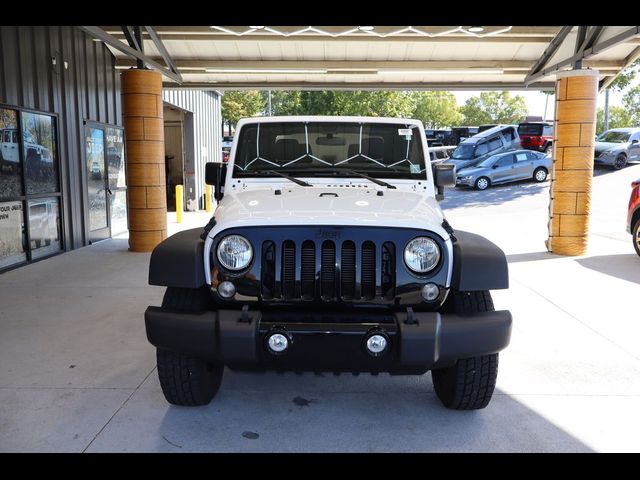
{"points": [[478, 264], [178, 261]]}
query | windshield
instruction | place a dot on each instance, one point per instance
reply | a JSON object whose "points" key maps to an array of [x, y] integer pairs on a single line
{"points": [[614, 137], [530, 129], [487, 162], [463, 152], [381, 150]]}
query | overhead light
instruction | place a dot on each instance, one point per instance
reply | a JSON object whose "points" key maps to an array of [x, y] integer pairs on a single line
{"points": [[96, 39], [476, 29], [451, 71], [365, 29], [257, 27], [264, 70]]}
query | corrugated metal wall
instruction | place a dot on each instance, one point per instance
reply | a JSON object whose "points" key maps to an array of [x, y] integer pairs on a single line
{"points": [[202, 136], [88, 89]]}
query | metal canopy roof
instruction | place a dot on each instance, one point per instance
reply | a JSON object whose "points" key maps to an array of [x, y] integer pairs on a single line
{"points": [[373, 57]]}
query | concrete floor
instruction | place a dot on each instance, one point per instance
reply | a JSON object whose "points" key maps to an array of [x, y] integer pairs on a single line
{"points": [[77, 373]]}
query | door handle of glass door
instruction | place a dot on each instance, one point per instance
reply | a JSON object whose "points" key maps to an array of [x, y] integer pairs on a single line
{"points": [[109, 191]]}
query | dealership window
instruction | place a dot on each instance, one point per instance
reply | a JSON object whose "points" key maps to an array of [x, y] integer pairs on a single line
{"points": [[30, 208]]}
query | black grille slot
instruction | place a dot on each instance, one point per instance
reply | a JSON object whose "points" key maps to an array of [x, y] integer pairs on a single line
{"points": [[388, 270], [308, 270], [328, 270], [288, 269], [368, 270], [268, 271], [348, 270]]}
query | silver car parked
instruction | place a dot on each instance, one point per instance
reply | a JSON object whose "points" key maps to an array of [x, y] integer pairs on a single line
{"points": [[506, 167], [617, 146]]}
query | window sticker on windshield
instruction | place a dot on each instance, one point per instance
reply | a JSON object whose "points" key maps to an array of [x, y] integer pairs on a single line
{"points": [[414, 168], [405, 131]]}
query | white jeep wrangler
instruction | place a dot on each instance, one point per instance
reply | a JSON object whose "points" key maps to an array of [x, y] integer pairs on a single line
{"points": [[328, 251]]}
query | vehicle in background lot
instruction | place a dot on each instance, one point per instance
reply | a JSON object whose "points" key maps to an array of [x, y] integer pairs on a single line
{"points": [[473, 150], [225, 154], [486, 126], [328, 252], [227, 142], [437, 137], [633, 215], [459, 134], [536, 136], [504, 168], [617, 146]]}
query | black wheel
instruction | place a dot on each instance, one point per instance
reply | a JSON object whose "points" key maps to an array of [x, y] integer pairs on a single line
{"points": [[621, 161], [636, 236], [547, 148], [482, 183], [540, 174], [469, 384], [187, 380]]}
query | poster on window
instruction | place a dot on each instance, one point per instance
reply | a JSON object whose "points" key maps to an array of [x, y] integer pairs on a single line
{"points": [[12, 234], [44, 226], [40, 160], [10, 164]]}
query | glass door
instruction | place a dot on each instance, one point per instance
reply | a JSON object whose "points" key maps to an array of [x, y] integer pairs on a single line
{"points": [[98, 192]]}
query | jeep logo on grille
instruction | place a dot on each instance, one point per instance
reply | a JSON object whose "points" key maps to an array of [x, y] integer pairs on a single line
{"points": [[327, 234]]}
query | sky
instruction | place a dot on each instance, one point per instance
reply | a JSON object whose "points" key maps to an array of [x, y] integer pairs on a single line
{"points": [[535, 100]]}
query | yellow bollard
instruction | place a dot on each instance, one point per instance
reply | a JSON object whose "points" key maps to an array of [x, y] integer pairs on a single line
{"points": [[179, 203], [207, 198]]}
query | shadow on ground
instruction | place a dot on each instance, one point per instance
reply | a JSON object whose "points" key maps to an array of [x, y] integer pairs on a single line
{"points": [[309, 414], [495, 195], [625, 267]]}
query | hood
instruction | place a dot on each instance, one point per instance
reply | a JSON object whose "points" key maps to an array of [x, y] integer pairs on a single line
{"points": [[606, 146], [460, 164], [319, 205]]}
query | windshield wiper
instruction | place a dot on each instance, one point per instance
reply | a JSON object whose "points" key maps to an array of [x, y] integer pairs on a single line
{"points": [[284, 175], [371, 179]]}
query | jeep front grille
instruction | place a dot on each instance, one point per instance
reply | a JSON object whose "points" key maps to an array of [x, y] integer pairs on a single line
{"points": [[328, 270]]}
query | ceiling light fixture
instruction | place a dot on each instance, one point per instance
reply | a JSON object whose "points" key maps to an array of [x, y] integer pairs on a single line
{"points": [[459, 71], [476, 29], [257, 27], [365, 29], [264, 70]]}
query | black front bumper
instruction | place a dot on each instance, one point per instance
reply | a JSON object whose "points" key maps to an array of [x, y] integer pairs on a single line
{"points": [[417, 341]]}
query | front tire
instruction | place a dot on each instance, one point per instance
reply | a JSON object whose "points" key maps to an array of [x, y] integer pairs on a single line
{"points": [[482, 183], [470, 382], [636, 236], [187, 380], [540, 174], [620, 162]]}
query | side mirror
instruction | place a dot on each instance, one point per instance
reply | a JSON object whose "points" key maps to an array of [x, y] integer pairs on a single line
{"points": [[214, 175], [495, 165], [634, 141], [444, 176]]}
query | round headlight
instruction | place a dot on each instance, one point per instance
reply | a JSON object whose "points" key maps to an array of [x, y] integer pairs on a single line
{"points": [[422, 254], [235, 252]]}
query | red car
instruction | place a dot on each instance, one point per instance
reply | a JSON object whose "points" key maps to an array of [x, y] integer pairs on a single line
{"points": [[633, 216], [536, 136]]}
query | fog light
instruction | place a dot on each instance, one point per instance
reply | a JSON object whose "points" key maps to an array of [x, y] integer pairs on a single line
{"points": [[430, 292], [277, 343], [226, 289], [376, 344]]}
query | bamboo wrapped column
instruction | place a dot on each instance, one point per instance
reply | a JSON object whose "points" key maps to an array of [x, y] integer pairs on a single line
{"points": [[572, 171], [146, 177]]}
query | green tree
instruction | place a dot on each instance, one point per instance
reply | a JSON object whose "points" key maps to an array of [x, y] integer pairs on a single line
{"points": [[237, 104], [436, 109], [366, 103], [494, 107], [283, 102], [624, 78], [619, 117], [631, 102]]}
